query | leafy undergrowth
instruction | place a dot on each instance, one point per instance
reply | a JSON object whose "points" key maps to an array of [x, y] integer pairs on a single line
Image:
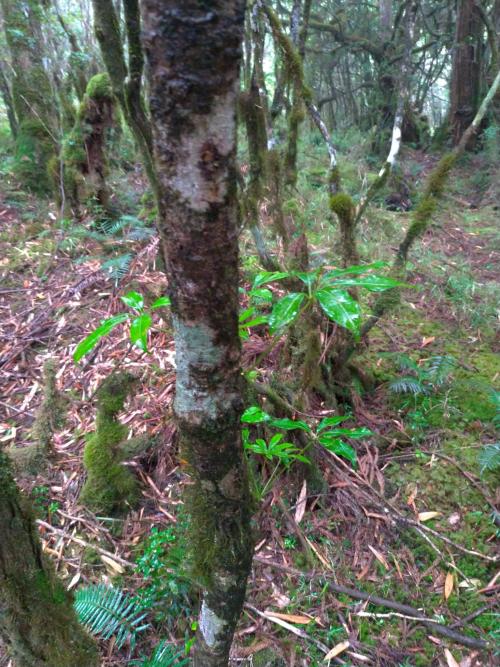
{"points": [[420, 478]]}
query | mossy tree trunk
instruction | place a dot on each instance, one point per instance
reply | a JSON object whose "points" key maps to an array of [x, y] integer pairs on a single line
{"points": [[37, 620], [84, 152], [34, 102], [193, 105], [126, 77]]}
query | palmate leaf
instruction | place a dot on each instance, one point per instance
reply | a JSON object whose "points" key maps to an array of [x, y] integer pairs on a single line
{"points": [[109, 612], [285, 311], [340, 308]]}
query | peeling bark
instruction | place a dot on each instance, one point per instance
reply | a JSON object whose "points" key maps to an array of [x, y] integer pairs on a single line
{"points": [[193, 105]]}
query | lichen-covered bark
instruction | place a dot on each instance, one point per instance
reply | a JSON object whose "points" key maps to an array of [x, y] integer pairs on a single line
{"points": [[37, 620], [193, 105]]}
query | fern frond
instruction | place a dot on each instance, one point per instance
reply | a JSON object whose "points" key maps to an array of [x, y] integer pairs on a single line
{"points": [[117, 267], [108, 612], [164, 655], [489, 458], [439, 368], [407, 385]]}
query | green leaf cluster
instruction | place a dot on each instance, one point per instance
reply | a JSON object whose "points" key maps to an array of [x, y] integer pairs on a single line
{"points": [[140, 322]]}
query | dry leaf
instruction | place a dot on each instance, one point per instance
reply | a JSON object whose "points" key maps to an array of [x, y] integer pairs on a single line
{"points": [[448, 585], [300, 509], [318, 554], [74, 581], [450, 659], [379, 557], [112, 564], [291, 618], [427, 516], [337, 650], [427, 341]]}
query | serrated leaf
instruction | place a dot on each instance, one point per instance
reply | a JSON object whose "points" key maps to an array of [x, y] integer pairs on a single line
{"points": [[254, 415], [285, 310], [161, 302], [268, 277], [133, 300], [290, 424], [92, 339], [340, 308], [338, 447], [139, 331]]}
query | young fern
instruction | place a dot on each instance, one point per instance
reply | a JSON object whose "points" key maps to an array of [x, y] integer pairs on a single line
{"points": [[489, 458], [164, 655], [108, 612]]}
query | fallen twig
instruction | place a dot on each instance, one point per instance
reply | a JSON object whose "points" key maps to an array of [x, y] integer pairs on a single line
{"points": [[356, 594]]}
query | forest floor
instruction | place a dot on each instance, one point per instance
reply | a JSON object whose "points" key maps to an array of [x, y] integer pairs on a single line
{"points": [[417, 523]]}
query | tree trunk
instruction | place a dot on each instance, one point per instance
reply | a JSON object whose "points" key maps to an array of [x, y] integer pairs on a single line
{"points": [[32, 94], [193, 105], [37, 620], [466, 70]]}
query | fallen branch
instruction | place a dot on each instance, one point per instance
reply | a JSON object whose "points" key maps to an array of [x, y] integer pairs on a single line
{"points": [[356, 594]]}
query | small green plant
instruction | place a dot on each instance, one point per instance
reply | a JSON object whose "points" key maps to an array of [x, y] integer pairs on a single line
{"points": [[328, 433], [422, 378], [166, 589], [327, 289], [109, 612], [489, 458], [140, 320], [164, 655]]}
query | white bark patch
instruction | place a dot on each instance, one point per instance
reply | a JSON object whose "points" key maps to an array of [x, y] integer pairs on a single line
{"points": [[395, 145], [195, 350], [210, 625], [217, 129]]}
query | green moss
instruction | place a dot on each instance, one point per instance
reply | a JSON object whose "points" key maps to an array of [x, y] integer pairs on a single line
{"points": [[34, 148], [341, 204], [110, 486], [99, 87], [437, 179], [52, 412]]}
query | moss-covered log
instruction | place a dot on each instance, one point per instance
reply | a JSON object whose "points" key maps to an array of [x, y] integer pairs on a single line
{"points": [[193, 105], [110, 487], [37, 621]]}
